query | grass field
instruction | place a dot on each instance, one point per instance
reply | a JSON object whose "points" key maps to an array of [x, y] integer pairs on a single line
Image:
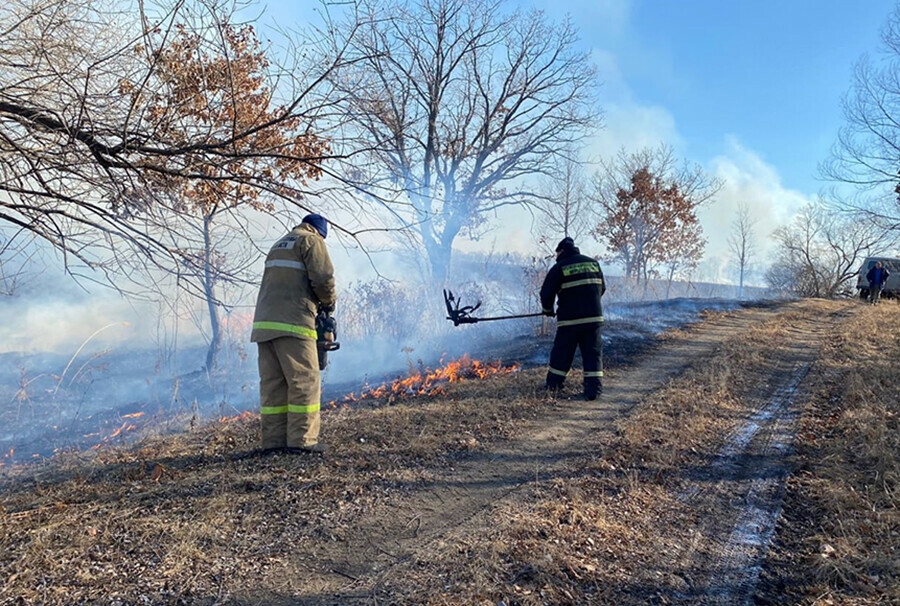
{"points": [[494, 492]]}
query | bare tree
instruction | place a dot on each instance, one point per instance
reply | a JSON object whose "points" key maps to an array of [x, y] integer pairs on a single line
{"points": [[16, 261], [820, 251], [742, 242], [563, 206], [107, 111], [866, 154], [453, 104], [647, 206]]}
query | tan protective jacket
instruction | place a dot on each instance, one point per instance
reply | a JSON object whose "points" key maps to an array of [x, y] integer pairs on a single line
{"points": [[298, 277]]}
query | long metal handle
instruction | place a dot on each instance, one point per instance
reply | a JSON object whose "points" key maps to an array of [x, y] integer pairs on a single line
{"points": [[510, 317], [464, 319]]}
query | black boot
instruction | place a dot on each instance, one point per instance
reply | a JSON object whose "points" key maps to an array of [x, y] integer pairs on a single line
{"points": [[592, 391], [317, 448]]}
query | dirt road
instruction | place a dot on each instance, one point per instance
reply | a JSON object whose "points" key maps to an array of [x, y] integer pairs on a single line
{"points": [[667, 489]]}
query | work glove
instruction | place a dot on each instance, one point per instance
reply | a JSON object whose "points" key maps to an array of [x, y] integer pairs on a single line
{"points": [[330, 326], [326, 325], [549, 312]]}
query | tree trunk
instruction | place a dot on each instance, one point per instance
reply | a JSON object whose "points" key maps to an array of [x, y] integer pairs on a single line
{"points": [[741, 283], [439, 248], [209, 292], [439, 257]]}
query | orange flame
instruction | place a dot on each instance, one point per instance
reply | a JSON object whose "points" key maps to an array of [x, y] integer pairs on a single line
{"points": [[244, 415], [133, 415], [124, 428], [116, 433], [432, 382]]}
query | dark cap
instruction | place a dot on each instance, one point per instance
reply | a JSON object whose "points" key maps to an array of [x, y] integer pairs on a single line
{"points": [[319, 222], [565, 244]]}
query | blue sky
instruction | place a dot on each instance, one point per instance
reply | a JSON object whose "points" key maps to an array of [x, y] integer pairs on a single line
{"points": [[750, 90], [769, 73]]}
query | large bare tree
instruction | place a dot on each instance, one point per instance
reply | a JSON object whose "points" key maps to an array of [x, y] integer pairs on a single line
{"points": [[866, 155], [647, 204], [110, 110], [454, 104]]}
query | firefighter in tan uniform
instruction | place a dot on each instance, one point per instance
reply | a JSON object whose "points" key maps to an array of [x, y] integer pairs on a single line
{"points": [[298, 283]]}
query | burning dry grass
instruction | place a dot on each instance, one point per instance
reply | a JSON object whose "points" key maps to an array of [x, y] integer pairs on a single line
{"points": [[430, 382], [839, 538]]}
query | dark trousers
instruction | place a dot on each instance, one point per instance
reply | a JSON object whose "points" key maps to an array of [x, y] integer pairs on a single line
{"points": [[875, 292], [587, 338]]}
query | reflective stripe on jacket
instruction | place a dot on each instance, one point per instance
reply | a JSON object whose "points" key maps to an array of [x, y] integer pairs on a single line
{"points": [[298, 277], [578, 282]]}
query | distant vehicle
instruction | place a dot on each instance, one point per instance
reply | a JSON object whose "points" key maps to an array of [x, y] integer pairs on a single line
{"points": [[891, 288]]}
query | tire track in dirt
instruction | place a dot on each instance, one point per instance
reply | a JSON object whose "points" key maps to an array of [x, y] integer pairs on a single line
{"points": [[352, 570], [743, 487]]}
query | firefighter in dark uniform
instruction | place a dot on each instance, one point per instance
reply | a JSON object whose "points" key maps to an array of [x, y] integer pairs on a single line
{"points": [[578, 282]]}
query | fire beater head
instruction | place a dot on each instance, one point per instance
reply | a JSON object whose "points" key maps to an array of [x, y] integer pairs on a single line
{"points": [[459, 315]]}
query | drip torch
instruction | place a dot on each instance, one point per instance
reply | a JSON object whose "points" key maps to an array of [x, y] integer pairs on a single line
{"points": [[326, 335]]}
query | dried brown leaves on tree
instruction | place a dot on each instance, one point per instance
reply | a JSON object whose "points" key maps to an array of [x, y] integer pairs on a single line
{"points": [[648, 212], [110, 113], [203, 91], [215, 105]]}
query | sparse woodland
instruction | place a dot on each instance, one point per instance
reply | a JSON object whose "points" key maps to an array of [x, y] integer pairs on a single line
{"points": [[744, 446]]}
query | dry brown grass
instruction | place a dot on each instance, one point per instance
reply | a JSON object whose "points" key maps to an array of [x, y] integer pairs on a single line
{"points": [[839, 539], [694, 414], [178, 519], [607, 533]]}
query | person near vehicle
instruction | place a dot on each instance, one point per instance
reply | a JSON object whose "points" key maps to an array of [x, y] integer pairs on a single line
{"points": [[297, 284], [877, 278], [577, 281]]}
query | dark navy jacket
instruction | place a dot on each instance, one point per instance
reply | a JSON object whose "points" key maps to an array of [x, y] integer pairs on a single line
{"points": [[878, 276], [578, 282]]}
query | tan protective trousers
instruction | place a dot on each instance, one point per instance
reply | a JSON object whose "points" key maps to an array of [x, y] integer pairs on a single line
{"points": [[289, 392]]}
